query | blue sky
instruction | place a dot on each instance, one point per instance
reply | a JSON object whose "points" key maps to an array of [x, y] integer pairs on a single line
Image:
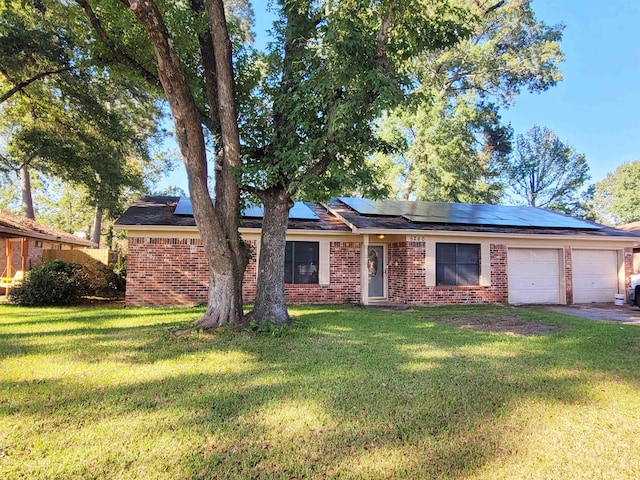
{"points": [[596, 107]]}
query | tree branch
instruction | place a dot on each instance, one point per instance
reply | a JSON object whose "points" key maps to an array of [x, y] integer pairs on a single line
{"points": [[486, 10], [381, 41], [25, 83], [329, 154], [207, 54], [151, 78]]}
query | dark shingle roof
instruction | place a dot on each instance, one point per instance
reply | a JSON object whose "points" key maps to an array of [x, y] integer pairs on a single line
{"points": [[339, 217], [159, 211]]}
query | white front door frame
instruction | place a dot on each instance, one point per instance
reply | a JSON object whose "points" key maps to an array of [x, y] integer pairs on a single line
{"points": [[382, 270]]}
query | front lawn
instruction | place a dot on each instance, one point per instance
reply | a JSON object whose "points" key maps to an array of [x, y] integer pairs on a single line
{"points": [[347, 392]]}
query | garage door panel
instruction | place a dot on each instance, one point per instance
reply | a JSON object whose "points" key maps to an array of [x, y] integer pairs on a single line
{"points": [[537, 269], [595, 275], [534, 276], [533, 283]]}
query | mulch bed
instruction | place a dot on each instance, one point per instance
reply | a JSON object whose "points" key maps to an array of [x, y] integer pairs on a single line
{"points": [[101, 302]]}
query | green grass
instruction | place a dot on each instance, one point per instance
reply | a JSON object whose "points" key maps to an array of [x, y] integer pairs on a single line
{"points": [[347, 392]]}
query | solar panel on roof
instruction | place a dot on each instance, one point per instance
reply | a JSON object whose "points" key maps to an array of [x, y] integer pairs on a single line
{"points": [[365, 206], [466, 214], [299, 211], [183, 207], [253, 211]]}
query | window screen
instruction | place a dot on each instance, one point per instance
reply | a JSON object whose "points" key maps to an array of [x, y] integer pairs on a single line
{"points": [[457, 264], [301, 262]]}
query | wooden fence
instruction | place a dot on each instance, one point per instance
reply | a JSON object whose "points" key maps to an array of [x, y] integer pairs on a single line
{"points": [[77, 255]]}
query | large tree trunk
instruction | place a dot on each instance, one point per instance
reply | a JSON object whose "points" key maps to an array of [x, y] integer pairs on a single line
{"points": [[25, 188], [227, 185], [218, 230], [96, 229], [270, 303]]}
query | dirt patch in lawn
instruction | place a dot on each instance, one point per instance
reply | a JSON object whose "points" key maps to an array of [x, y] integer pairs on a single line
{"points": [[101, 302], [510, 324]]}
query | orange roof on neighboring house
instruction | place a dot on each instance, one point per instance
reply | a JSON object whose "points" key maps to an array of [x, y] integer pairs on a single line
{"points": [[630, 227], [12, 225], [633, 227]]}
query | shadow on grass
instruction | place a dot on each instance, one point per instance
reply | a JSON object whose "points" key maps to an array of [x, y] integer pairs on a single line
{"points": [[52, 316], [351, 393]]}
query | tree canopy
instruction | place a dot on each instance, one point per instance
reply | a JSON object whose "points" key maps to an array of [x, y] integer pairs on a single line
{"points": [[65, 116], [545, 172], [333, 70], [454, 139], [615, 198]]}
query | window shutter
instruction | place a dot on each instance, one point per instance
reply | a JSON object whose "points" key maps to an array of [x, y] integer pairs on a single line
{"points": [[485, 265], [324, 267], [430, 263]]}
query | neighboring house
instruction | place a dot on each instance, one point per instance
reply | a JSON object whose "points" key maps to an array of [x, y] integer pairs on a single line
{"points": [[364, 251], [633, 228], [23, 240]]}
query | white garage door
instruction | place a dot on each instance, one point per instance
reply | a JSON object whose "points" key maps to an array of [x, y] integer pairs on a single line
{"points": [[534, 275], [595, 275]]}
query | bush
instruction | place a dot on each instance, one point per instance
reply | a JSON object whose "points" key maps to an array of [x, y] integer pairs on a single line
{"points": [[102, 280], [118, 274], [52, 283]]}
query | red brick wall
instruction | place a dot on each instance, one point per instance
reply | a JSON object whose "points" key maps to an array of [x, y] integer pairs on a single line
{"points": [[397, 260], [499, 274], [249, 283], [344, 278], [407, 279], [568, 274], [629, 266], [170, 271], [166, 271], [34, 257]]}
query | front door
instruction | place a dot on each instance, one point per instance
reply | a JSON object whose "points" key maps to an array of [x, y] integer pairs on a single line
{"points": [[375, 268]]}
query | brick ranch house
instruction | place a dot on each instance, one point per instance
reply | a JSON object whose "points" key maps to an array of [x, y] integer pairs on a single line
{"points": [[23, 241], [364, 251]]}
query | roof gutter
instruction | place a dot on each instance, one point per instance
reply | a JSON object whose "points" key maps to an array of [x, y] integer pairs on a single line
{"points": [[13, 233], [194, 229], [420, 233]]}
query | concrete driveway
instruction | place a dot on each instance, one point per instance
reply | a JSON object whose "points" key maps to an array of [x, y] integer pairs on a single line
{"points": [[605, 312]]}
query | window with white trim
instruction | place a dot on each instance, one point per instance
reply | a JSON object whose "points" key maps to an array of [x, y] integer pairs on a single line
{"points": [[301, 262], [457, 264]]}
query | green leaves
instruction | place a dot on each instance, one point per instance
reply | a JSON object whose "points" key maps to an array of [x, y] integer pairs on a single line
{"points": [[545, 172], [334, 70], [86, 125], [455, 140], [616, 200]]}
